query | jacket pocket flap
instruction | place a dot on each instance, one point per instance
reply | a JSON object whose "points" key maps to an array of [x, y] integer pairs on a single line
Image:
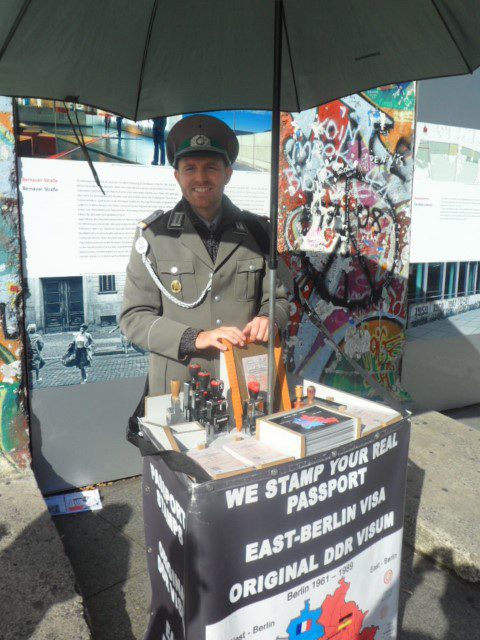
{"points": [[249, 265], [175, 268]]}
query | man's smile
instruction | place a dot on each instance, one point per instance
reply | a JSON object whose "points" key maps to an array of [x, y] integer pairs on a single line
{"points": [[202, 189]]}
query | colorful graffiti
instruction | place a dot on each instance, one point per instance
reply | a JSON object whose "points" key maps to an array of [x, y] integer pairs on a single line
{"points": [[14, 440], [345, 190]]}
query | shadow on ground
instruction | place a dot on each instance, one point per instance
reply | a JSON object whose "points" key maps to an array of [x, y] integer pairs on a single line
{"points": [[29, 580], [434, 603], [107, 553]]}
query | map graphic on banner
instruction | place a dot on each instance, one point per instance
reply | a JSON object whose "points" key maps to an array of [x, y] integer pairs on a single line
{"points": [[337, 605], [335, 618]]}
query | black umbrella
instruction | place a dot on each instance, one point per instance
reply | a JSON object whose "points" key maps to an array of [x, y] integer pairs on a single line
{"points": [[152, 57]]}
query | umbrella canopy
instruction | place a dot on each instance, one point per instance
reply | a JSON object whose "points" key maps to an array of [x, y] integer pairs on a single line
{"points": [[156, 57]]}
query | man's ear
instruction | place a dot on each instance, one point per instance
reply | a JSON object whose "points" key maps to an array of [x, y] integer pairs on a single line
{"points": [[228, 171], [175, 173]]}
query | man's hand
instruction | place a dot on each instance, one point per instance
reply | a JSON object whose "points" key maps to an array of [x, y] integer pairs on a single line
{"points": [[256, 330], [212, 338]]}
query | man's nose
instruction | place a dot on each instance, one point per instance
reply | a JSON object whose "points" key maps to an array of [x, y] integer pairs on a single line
{"points": [[202, 175]]}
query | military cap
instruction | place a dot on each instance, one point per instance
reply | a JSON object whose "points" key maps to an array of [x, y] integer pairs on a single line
{"points": [[201, 134]]}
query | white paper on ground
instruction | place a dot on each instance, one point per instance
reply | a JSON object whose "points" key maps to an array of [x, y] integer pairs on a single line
{"points": [[74, 502]]}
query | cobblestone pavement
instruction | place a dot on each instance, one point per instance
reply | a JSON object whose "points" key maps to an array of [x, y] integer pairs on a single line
{"points": [[104, 367], [110, 362], [104, 338]]}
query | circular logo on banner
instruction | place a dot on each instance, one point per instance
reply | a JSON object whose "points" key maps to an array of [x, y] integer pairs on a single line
{"points": [[387, 578], [141, 245], [199, 140]]}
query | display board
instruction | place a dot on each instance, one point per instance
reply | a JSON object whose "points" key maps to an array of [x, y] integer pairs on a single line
{"points": [[309, 549], [446, 194], [77, 241]]}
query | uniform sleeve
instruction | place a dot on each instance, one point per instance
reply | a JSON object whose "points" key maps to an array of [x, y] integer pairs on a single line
{"points": [[282, 305], [141, 319]]}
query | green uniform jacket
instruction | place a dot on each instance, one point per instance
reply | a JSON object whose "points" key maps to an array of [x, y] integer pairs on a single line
{"points": [[240, 290]]}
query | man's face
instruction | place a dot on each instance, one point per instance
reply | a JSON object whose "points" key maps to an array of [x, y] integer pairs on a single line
{"points": [[202, 180]]}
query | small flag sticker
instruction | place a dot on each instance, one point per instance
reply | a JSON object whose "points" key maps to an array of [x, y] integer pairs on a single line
{"points": [[344, 622], [306, 625]]}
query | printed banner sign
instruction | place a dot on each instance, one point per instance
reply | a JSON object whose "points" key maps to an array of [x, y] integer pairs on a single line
{"points": [[446, 194], [307, 550]]}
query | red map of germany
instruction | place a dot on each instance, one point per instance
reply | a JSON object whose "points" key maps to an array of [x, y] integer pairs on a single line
{"points": [[343, 620], [336, 619]]}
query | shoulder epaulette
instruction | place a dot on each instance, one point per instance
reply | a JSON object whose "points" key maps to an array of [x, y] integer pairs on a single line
{"points": [[144, 224]]}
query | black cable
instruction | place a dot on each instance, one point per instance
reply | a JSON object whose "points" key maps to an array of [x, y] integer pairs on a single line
{"points": [[81, 143]]}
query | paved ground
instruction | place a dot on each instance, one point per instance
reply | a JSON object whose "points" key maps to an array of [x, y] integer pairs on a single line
{"points": [[105, 339], [441, 364], [107, 551], [38, 600], [467, 323], [104, 367], [468, 415]]}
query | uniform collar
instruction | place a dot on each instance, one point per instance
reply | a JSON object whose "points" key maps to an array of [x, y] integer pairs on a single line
{"points": [[193, 226], [224, 219]]}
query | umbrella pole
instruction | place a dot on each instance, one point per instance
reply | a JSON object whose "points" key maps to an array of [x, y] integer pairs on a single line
{"points": [[273, 259]]}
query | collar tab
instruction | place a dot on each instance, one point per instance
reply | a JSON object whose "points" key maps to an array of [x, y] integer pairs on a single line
{"points": [[176, 220], [241, 228]]}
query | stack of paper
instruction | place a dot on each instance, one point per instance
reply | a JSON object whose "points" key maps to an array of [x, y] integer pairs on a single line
{"points": [[255, 453], [218, 463], [177, 437], [303, 432]]}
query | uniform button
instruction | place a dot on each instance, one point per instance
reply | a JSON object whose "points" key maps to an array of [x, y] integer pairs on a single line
{"points": [[251, 267], [218, 322], [217, 298], [210, 275], [174, 270]]}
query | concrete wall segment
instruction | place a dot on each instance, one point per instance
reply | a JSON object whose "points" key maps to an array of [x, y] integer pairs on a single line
{"points": [[14, 435]]}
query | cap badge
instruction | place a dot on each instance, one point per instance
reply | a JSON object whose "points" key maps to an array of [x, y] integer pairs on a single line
{"points": [[200, 141], [176, 286]]}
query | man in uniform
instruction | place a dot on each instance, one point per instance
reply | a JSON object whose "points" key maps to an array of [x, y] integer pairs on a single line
{"points": [[198, 273]]}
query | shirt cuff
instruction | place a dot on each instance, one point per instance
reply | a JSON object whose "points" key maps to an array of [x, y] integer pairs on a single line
{"points": [[187, 343]]}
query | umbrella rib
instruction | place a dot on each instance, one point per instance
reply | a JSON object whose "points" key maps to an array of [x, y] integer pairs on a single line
{"points": [[15, 25], [290, 58], [145, 54], [445, 24]]}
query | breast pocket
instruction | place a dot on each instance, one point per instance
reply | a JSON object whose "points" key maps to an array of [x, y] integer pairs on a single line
{"points": [[179, 279], [247, 279]]}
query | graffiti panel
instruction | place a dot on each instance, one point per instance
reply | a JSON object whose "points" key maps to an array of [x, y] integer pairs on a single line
{"points": [[345, 191], [13, 423]]}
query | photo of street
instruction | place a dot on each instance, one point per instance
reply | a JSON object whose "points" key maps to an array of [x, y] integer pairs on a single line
{"points": [[113, 357]]}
